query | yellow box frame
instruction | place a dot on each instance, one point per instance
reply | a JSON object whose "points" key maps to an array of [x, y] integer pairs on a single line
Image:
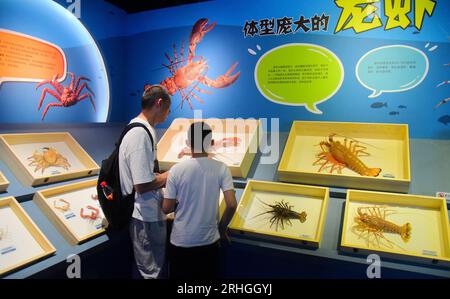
{"points": [[251, 127], [381, 131], [40, 200], [32, 229], [29, 178], [4, 183], [406, 200], [237, 222]]}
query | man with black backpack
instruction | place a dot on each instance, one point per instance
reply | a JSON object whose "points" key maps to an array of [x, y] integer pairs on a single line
{"points": [[139, 174]]}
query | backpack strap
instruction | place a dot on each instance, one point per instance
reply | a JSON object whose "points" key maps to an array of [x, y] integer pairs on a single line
{"points": [[134, 125]]}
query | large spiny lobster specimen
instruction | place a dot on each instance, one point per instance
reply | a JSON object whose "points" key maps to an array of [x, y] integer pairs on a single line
{"points": [[282, 214], [186, 78], [66, 95], [336, 155]]}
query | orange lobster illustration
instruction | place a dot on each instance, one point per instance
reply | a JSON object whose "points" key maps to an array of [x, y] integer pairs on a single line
{"points": [[337, 156], [194, 71]]}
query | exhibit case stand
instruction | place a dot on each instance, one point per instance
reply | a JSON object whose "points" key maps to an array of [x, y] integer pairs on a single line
{"points": [[243, 257]]}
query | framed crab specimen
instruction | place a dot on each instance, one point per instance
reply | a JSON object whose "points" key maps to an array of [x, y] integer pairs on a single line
{"points": [[21, 241], [282, 212], [42, 158], [402, 226], [73, 210], [235, 143]]}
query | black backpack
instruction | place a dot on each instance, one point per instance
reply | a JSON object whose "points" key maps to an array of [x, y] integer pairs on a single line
{"points": [[119, 210]]}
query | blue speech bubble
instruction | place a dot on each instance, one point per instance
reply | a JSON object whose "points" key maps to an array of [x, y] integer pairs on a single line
{"points": [[393, 68]]}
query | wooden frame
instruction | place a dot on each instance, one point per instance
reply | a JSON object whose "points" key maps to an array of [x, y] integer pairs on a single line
{"points": [[46, 248], [20, 165], [388, 145], [429, 240], [249, 128], [4, 183], [64, 221], [312, 200]]}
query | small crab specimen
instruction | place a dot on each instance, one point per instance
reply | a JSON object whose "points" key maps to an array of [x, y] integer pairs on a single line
{"points": [[47, 158]]}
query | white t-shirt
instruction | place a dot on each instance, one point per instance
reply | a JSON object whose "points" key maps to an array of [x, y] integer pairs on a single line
{"points": [[136, 163], [196, 184]]}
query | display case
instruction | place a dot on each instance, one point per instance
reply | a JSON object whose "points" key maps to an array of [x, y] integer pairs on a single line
{"points": [[407, 227], [282, 212], [352, 155], [4, 183], [236, 143], [74, 209], [21, 241], [42, 158]]}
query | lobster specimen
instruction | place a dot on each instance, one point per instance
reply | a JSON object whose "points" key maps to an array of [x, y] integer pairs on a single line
{"points": [[372, 220], [64, 206], [48, 158], [66, 95], [93, 215], [224, 142], [282, 213], [336, 155], [194, 71]]}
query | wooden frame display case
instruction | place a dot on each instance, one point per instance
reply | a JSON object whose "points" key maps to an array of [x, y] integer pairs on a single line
{"points": [[328, 153], [42, 158], [63, 206], [401, 226], [21, 241], [304, 207], [238, 136]]}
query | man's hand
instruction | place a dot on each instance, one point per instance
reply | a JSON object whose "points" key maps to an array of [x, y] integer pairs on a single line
{"points": [[224, 234]]}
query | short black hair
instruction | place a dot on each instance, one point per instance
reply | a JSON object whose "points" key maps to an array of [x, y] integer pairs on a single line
{"points": [[152, 93], [199, 137]]}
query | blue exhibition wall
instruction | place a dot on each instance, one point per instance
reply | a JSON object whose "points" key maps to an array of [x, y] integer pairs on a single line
{"points": [[48, 22], [153, 33], [134, 47]]}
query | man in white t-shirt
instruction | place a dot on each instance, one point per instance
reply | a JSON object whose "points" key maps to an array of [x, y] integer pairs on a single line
{"points": [[193, 186], [138, 169]]}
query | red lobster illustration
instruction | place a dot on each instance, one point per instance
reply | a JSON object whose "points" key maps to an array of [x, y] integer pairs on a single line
{"points": [[194, 71]]}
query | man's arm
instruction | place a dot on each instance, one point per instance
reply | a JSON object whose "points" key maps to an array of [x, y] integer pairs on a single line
{"points": [[231, 205], [157, 183], [168, 205]]}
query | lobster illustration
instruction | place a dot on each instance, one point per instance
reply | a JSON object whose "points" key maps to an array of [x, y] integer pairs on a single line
{"points": [[372, 220], [194, 71], [66, 95], [336, 155]]}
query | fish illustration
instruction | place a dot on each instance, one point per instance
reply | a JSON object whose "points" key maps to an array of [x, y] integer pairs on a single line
{"points": [[402, 107], [441, 103], [378, 105], [394, 113], [444, 119]]}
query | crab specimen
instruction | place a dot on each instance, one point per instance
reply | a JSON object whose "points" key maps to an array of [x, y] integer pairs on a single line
{"points": [[49, 157]]}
